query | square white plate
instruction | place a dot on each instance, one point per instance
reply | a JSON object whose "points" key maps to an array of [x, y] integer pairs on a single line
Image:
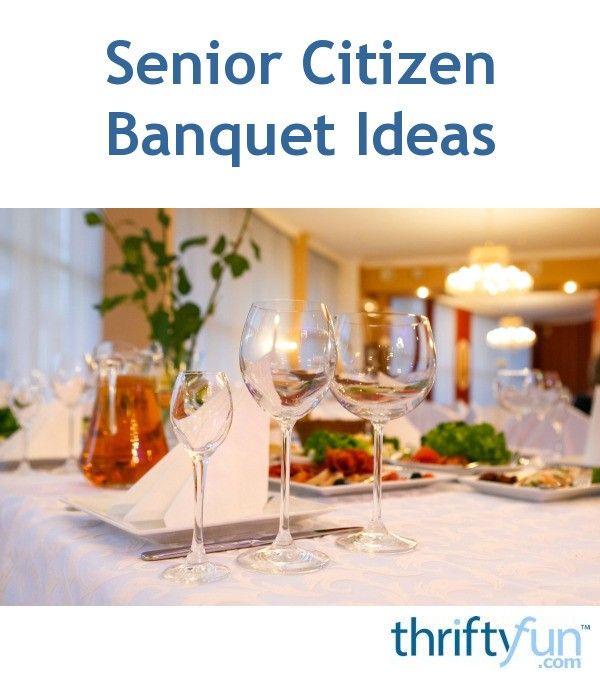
{"points": [[458, 470], [107, 508], [530, 494], [352, 488]]}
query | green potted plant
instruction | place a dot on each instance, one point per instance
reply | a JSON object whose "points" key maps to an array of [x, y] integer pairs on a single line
{"points": [[174, 321]]}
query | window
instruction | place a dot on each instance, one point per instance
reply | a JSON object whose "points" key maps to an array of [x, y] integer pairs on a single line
{"points": [[50, 277], [218, 344], [323, 276]]}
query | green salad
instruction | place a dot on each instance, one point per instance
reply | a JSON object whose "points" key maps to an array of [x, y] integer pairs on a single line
{"points": [[476, 442], [317, 443], [8, 423]]}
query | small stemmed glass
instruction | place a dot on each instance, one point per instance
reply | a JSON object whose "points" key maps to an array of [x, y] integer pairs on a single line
{"points": [[287, 359], [517, 391], [386, 367], [201, 412], [70, 380], [25, 398]]}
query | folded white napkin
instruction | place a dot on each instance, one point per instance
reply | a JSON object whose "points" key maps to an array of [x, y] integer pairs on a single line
{"points": [[408, 434], [592, 445], [49, 435], [237, 478]]}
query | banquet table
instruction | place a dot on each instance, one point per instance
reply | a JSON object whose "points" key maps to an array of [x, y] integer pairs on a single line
{"points": [[472, 549]]}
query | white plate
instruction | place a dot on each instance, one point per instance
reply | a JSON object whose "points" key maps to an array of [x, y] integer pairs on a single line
{"points": [[458, 470], [352, 488], [107, 508], [531, 494]]}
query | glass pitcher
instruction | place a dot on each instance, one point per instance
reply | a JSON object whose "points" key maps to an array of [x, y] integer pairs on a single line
{"points": [[125, 436]]}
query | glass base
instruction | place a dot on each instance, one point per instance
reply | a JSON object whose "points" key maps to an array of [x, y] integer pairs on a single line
{"points": [[190, 573], [382, 542], [23, 468], [69, 466], [283, 560]]}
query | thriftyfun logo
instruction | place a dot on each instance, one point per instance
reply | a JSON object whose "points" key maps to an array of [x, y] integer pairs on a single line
{"points": [[552, 647]]}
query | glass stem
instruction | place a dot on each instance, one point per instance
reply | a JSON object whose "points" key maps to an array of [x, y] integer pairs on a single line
{"points": [[376, 524], [71, 435], [24, 464], [559, 442], [284, 537], [197, 554]]}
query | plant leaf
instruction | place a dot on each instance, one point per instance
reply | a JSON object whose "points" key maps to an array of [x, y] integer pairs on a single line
{"points": [[237, 264], [109, 303], [165, 260], [191, 242], [132, 251], [186, 322], [151, 282], [159, 323], [163, 217], [183, 282], [255, 249], [93, 218], [219, 246], [139, 294], [216, 271]]}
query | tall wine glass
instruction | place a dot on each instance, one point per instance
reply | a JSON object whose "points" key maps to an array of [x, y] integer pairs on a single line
{"points": [[549, 389], [201, 412], [25, 399], [70, 380], [517, 392], [386, 367], [287, 358]]}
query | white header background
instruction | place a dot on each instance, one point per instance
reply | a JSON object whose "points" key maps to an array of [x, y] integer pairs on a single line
{"points": [[544, 104]]}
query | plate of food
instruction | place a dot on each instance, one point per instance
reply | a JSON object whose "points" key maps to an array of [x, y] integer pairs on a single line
{"points": [[462, 449], [347, 471], [547, 484]]}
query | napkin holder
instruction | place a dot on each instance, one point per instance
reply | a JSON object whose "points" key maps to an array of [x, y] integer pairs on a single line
{"points": [[237, 477]]}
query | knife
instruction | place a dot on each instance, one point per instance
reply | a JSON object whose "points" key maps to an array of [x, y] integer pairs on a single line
{"points": [[178, 552]]}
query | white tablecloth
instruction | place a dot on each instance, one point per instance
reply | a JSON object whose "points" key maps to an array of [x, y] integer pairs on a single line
{"points": [[473, 549]]}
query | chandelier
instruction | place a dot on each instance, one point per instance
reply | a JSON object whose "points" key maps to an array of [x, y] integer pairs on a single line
{"points": [[511, 335], [488, 272]]}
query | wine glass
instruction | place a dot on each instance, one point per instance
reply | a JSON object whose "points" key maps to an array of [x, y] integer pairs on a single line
{"points": [[70, 380], [549, 388], [386, 367], [25, 399], [558, 417], [517, 392], [201, 411], [287, 358]]}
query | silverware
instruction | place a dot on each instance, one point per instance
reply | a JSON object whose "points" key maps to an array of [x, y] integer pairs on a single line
{"points": [[224, 546]]}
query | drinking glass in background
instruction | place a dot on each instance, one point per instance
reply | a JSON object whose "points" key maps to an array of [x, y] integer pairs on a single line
{"points": [[25, 400], [516, 391], [201, 412], [558, 417], [70, 380], [548, 393], [385, 369], [287, 358]]}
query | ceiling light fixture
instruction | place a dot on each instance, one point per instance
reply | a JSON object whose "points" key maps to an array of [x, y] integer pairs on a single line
{"points": [[570, 287], [511, 335], [422, 292], [489, 272]]}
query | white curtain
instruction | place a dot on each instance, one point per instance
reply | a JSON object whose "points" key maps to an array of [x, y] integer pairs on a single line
{"points": [[323, 280], [50, 276], [269, 278]]}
